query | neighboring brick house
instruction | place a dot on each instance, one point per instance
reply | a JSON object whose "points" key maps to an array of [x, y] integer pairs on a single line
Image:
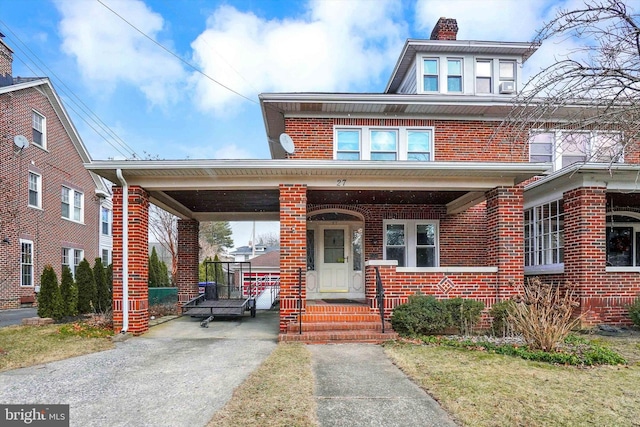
{"points": [[50, 205], [420, 184]]}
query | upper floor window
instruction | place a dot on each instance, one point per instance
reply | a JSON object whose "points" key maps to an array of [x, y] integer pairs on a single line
{"points": [[401, 143], [106, 221], [39, 129], [454, 75], [35, 190], [26, 263], [484, 74], [413, 243], [544, 234], [563, 148], [430, 78], [507, 76], [72, 204]]}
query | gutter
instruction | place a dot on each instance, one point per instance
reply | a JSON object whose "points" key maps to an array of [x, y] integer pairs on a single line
{"points": [[125, 251]]}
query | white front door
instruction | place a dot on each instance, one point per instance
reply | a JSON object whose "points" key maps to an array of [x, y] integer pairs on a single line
{"points": [[334, 259]]}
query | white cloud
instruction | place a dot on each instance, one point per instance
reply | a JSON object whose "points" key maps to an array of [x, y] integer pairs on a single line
{"points": [[108, 51], [336, 46], [214, 151]]}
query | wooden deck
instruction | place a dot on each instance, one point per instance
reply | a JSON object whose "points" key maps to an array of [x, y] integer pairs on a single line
{"points": [[228, 307]]}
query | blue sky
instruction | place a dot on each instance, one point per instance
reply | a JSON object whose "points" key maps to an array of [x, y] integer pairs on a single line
{"points": [[162, 108]]}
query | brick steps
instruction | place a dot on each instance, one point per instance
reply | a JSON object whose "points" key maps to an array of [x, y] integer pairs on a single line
{"points": [[338, 323]]}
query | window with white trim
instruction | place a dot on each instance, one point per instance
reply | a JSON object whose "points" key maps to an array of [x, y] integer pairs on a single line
{"points": [[106, 257], [72, 204], [507, 70], [564, 148], [544, 234], [35, 190], [26, 262], [623, 240], [105, 221], [375, 143], [39, 126], [454, 75], [484, 76], [430, 75], [413, 243], [72, 257]]}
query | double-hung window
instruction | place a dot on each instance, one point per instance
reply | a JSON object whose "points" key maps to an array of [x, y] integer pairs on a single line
{"points": [[38, 124], [484, 73], [71, 258], [430, 74], [26, 263], [375, 143], [35, 190], [106, 221], [544, 234], [72, 204], [454, 75], [623, 240], [413, 243], [106, 257], [564, 148]]}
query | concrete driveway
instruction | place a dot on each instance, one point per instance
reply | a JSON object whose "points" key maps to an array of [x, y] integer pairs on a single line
{"points": [[15, 316], [178, 374]]}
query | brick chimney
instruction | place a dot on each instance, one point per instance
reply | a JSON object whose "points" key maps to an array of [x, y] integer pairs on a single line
{"points": [[6, 60], [445, 29]]}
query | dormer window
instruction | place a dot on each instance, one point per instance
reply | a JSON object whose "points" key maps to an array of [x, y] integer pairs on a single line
{"points": [[430, 70], [454, 75], [483, 76], [507, 76]]}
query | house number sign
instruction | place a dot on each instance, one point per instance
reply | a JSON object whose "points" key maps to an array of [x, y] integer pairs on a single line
{"points": [[341, 182]]}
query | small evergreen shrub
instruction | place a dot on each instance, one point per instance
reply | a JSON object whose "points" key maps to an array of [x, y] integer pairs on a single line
{"points": [[465, 313], [634, 312], [499, 311], [86, 287], [68, 292], [103, 292], [421, 315], [49, 299]]}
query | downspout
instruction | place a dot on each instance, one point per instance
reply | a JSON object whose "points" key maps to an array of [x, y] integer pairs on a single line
{"points": [[125, 251]]}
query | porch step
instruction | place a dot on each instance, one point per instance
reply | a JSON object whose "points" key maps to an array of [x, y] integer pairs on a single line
{"points": [[337, 337], [340, 317], [338, 326]]}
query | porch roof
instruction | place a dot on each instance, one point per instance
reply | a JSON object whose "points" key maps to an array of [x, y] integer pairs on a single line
{"points": [[211, 190]]}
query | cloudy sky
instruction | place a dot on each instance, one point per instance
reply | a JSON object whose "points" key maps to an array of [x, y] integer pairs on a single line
{"points": [[180, 79]]}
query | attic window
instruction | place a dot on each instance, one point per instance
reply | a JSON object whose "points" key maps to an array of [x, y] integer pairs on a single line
{"points": [[483, 76], [430, 70], [39, 126]]}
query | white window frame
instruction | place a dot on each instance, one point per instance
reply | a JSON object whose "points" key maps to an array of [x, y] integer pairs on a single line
{"points": [[337, 151], [635, 244], [411, 240], [72, 254], [402, 142], [106, 252], [39, 124], [28, 263], [424, 74], [75, 204], [477, 76], [37, 190], [108, 223], [461, 75], [502, 79], [555, 150], [544, 237]]}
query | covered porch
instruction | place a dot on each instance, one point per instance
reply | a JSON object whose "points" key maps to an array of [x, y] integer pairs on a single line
{"points": [[462, 225]]}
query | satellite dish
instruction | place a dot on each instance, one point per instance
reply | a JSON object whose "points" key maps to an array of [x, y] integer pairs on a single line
{"points": [[20, 142], [287, 143]]}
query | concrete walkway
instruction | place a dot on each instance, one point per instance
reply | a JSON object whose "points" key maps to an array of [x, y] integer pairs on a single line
{"points": [[357, 385], [178, 374]]}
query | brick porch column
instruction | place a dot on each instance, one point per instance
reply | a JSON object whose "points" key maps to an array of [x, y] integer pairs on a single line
{"points": [[585, 252], [138, 259], [293, 252], [188, 257], [505, 240]]}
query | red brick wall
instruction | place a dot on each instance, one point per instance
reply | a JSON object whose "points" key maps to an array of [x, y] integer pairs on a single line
{"points": [[188, 259], [293, 254], [6, 58], [138, 227], [465, 141], [60, 164]]}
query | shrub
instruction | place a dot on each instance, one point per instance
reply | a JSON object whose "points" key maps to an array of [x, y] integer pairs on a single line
{"points": [[500, 312], [634, 312], [68, 292], [86, 287], [465, 313], [421, 315], [543, 314], [103, 292], [49, 299]]}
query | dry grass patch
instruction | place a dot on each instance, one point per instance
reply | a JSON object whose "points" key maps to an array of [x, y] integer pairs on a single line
{"points": [[278, 393], [482, 389], [22, 346]]}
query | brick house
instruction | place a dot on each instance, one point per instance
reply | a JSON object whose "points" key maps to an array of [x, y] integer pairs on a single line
{"points": [[52, 210], [419, 184]]}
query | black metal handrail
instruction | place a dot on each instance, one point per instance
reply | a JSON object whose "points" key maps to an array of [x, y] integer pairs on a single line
{"points": [[300, 300], [380, 296]]}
